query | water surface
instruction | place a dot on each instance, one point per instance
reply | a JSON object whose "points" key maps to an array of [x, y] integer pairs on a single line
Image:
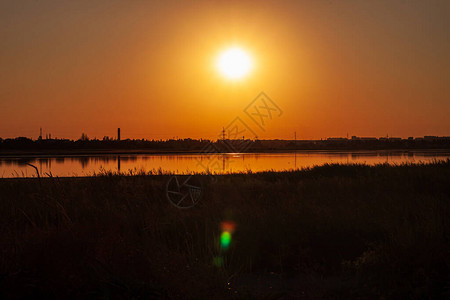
{"points": [[88, 165]]}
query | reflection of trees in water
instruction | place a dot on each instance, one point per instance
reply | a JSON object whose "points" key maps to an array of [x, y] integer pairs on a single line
{"points": [[167, 157], [8, 162], [46, 162], [128, 158], [405, 155], [24, 161], [83, 160], [59, 160], [428, 154], [105, 160], [101, 159], [357, 155], [338, 155]]}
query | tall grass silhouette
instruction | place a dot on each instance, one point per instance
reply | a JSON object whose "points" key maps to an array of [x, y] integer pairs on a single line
{"points": [[335, 231]]}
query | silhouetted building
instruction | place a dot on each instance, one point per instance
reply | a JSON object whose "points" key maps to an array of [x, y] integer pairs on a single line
{"points": [[430, 138], [369, 138], [118, 134]]}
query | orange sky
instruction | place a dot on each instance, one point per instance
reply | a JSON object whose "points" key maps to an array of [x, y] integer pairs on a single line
{"points": [[366, 68]]}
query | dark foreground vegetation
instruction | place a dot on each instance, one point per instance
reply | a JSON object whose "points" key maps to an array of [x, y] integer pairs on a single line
{"points": [[335, 232]]}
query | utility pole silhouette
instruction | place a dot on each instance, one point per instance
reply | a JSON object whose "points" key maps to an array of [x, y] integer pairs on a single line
{"points": [[223, 133]]}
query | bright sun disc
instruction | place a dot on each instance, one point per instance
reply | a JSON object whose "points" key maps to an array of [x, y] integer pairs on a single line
{"points": [[234, 63]]}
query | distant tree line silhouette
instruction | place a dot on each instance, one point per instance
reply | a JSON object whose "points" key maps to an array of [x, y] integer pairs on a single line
{"points": [[190, 145]]}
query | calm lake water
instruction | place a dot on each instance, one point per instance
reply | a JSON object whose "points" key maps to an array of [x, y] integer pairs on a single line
{"points": [[217, 163]]}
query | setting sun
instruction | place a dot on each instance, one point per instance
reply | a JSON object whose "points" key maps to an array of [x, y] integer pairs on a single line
{"points": [[234, 63]]}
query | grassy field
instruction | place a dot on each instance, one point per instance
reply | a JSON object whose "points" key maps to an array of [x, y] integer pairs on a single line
{"points": [[330, 232]]}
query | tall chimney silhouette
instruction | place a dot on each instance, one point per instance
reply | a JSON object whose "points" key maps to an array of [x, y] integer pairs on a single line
{"points": [[118, 134]]}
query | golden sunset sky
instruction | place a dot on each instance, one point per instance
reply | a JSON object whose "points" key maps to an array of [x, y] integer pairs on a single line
{"points": [[366, 68]]}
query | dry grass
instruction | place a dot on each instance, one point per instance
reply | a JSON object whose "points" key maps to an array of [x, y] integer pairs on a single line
{"points": [[335, 231]]}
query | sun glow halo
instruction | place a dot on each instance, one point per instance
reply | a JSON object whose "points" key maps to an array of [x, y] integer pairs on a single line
{"points": [[234, 63]]}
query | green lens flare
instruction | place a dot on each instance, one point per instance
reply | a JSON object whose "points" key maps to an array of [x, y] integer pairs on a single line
{"points": [[225, 239], [218, 261]]}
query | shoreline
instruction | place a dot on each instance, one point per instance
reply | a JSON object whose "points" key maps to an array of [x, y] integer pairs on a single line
{"points": [[75, 153]]}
